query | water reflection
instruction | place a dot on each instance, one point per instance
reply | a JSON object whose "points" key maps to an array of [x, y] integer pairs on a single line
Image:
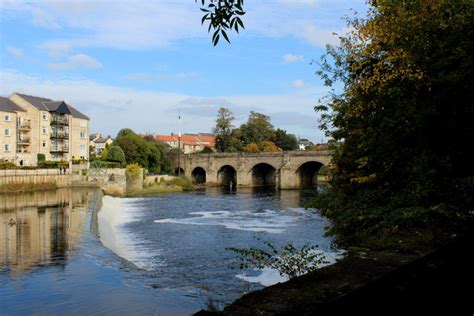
{"points": [[38, 228]]}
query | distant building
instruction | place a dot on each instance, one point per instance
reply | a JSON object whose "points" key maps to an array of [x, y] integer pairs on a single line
{"points": [[190, 143], [98, 143], [303, 143], [32, 125]]}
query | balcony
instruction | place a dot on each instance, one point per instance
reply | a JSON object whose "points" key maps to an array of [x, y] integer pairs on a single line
{"points": [[59, 121], [25, 125], [59, 149], [23, 141], [59, 136]]}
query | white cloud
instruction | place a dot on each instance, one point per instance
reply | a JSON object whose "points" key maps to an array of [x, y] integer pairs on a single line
{"points": [[44, 19], [292, 58], [77, 61], [112, 108], [298, 84], [317, 36], [15, 51]]}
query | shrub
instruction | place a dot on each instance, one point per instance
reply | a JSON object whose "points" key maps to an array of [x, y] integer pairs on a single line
{"points": [[41, 157], [251, 148], [7, 165], [181, 181], [116, 154], [133, 171], [268, 146]]}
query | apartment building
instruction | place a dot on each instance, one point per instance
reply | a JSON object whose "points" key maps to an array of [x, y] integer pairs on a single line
{"points": [[33, 125]]}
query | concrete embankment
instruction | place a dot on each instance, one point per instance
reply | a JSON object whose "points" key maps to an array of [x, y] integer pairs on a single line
{"points": [[373, 282]]}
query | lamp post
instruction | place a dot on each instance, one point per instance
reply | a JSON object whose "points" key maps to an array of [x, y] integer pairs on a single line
{"points": [[179, 145]]}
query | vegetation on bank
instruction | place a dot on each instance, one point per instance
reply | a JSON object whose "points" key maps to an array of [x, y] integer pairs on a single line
{"points": [[402, 174], [178, 184], [27, 187]]}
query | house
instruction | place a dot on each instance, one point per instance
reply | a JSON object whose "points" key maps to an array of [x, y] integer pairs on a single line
{"points": [[34, 125], [99, 143], [190, 143], [303, 143]]}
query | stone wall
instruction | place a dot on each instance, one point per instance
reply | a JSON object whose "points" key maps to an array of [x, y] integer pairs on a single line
{"points": [[35, 176], [152, 179]]}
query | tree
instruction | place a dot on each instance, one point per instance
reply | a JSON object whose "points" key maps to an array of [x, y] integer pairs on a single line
{"points": [[402, 121], [116, 154], [225, 140], [144, 151], [258, 128], [285, 141]]}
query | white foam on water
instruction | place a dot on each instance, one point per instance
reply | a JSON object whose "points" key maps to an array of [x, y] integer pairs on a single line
{"points": [[266, 221], [113, 216], [270, 276]]}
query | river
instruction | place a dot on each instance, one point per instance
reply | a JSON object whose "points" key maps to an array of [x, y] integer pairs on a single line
{"points": [[77, 252]]}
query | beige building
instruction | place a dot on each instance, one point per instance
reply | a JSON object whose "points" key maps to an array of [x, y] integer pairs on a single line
{"points": [[33, 125]]}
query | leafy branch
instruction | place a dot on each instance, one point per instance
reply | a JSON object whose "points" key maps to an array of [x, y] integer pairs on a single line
{"points": [[222, 16]]}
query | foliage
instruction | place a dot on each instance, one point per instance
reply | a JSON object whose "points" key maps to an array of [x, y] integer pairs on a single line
{"points": [[225, 140], [104, 154], [133, 171], [207, 150], [285, 141], [7, 165], [222, 15], [181, 181], [27, 187], [268, 146], [258, 128], [116, 154], [48, 164], [144, 151], [288, 260], [41, 157], [402, 123], [251, 148]]}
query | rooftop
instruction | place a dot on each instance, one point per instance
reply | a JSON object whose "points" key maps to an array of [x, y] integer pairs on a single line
{"points": [[8, 106], [53, 106]]}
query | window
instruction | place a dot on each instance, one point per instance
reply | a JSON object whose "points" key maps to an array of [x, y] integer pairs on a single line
{"points": [[6, 147], [83, 147], [7, 132], [44, 144], [7, 118], [45, 130], [83, 135], [45, 116]]}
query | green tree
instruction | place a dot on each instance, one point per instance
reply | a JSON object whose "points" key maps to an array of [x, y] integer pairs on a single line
{"points": [[225, 140], [258, 128], [285, 141], [116, 154], [402, 121], [144, 151]]}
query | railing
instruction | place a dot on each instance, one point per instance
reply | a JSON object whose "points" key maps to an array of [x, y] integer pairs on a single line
{"points": [[23, 125], [59, 149], [24, 140], [59, 136], [59, 121]]}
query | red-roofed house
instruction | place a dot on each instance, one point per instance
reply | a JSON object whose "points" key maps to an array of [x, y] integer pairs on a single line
{"points": [[190, 143]]}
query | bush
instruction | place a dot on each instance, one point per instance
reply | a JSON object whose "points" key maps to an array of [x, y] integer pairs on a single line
{"points": [[116, 154], [207, 150], [251, 148], [48, 164], [181, 181], [41, 157], [133, 171], [7, 165]]}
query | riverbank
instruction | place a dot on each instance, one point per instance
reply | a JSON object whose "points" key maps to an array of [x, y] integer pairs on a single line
{"points": [[365, 280], [176, 184]]}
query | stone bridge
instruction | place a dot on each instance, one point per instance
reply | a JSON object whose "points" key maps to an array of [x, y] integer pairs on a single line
{"points": [[283, 170]]}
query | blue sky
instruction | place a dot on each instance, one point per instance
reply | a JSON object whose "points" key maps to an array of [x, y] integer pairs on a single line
{"points": [[139, 64]]}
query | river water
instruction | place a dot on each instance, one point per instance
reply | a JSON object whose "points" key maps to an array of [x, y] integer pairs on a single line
{"points": [[75, 252]]}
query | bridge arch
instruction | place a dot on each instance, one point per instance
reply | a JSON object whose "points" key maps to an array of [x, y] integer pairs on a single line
{"points": [[226, 176], [264, 174], [198, 175], [308, 174]]}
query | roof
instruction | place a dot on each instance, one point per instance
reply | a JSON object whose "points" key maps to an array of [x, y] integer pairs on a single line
{"points": [[49, 105], [206, 140], [8, 106], [102, 140]]}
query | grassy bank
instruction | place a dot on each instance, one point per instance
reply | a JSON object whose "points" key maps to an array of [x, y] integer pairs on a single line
{"points": [[178, 184], [27, 187]]}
